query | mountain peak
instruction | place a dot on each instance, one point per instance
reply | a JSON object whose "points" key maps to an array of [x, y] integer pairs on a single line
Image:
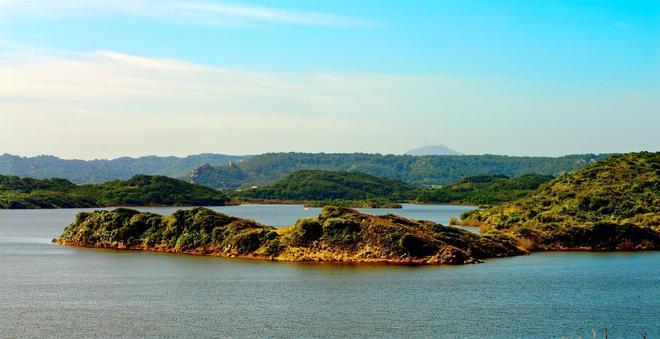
{"points": [[433, 150]]}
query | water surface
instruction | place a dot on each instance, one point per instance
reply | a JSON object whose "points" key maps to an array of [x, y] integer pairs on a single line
{"points": [[50, 290]]}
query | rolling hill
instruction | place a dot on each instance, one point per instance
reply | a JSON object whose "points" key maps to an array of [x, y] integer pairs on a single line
{"points": [[415, 170], [611, 204], [141, 190]]}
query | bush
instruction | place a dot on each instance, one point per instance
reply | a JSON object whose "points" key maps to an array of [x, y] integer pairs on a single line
{"points": [[306, 231], [341, 232], [416, 246], [248, 241]]}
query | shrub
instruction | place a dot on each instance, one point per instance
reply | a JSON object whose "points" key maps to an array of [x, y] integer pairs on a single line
{"points": [[306, 231], [341, 232], [248, 241], [416, 246]]}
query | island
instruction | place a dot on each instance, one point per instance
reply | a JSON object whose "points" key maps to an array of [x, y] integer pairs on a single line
{"points": [[140, 190], [337, 234], [318, 188]]}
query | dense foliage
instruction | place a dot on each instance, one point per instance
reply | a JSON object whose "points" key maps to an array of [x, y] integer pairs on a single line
{"points": [[484, 189], [337, 234], [327, 185], [96, 171], [141, 190], [417, 170], [613, 203]]}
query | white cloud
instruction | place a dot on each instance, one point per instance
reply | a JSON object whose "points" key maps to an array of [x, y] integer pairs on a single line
{"points": [[107, 104], [78, 104], [195, 13]]}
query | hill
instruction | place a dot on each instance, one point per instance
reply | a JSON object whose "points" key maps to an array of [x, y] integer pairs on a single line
{"points": [[96, 171], [337, 234], [433, 150], [415, 170], [325, 185], [141, 190], [611, 204], [484, 190]]}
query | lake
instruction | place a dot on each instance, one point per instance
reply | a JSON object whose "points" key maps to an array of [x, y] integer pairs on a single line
{"points": [[48, 290]]}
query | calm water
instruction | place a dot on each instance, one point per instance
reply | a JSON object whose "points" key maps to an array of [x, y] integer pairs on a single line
{"points": [[50, 290]]}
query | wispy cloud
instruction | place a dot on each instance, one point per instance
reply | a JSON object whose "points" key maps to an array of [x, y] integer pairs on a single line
{"points": [[81, 102], [105, 103], [194, 13]]}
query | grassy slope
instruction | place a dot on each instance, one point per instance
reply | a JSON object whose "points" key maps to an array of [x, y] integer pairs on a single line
{"points": [[337, 234], [613, 203], [141, 190]]}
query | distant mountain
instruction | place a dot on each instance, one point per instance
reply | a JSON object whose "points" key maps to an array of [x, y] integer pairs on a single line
{"points": [[424, 171], [95, 171], [433, 150]]}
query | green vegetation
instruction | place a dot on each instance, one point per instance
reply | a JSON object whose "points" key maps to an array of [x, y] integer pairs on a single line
{"points": [[611, 204], [337, 234], [316, 185], [415, 170], [484, 190], [141, 190], [319, 188]]}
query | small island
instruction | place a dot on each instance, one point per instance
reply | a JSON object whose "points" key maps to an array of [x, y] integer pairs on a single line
{"points": [[337, 234], [318, 188]]}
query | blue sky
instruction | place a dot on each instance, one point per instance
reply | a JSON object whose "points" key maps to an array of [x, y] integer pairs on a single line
{"points": [[503, 77]]}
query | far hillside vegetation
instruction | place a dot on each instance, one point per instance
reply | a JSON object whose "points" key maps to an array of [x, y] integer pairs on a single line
{"points": [[428, 170], [484, 190], [140, 190]]}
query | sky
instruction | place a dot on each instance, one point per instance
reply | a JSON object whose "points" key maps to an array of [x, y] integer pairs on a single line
{"points": [[110, 78]]}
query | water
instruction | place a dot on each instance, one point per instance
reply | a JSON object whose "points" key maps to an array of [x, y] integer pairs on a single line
{"points": [[48, 290]]}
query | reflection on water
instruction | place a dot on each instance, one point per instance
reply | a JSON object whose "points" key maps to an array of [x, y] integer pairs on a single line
{"points": [[50, 290]]}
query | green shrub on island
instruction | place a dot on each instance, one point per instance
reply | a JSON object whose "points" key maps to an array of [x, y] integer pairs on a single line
{"points": [[611, 204], [141, 190]]}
